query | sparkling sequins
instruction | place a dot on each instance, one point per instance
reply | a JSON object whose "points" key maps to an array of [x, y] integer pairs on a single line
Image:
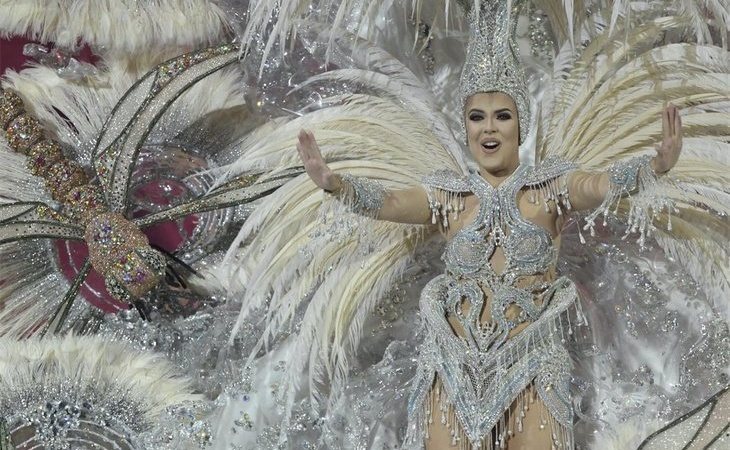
{"points": [[114, 163], [119, 251], [483, 371], [528, 247], [84, 202], [468, 252], [71, 391], [626, 176], [23, 132], [42, 156], [64, 176], [362, 195], [492, 62], [481, 379], [11, 106], [169, 70]]}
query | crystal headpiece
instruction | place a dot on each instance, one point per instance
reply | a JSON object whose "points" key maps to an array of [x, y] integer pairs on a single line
{"points": [[492, 57]]}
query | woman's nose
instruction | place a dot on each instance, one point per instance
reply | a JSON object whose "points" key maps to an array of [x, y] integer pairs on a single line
{"points": [[489, 125]]}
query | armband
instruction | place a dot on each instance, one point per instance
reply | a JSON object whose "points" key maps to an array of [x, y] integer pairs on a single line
{"points": [[361, 195], [633, 178]]}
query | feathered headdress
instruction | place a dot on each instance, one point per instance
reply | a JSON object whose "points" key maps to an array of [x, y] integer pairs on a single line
{"points": [[492, 60]]}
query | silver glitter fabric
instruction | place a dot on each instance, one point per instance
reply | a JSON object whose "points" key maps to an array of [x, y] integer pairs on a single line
{"points": [[706, 427], [362, 195], [88, 392], [483, 371], [634, 178], [492, 61]]}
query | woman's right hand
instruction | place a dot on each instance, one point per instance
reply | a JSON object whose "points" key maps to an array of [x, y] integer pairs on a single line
{"points": [[314, 164]]}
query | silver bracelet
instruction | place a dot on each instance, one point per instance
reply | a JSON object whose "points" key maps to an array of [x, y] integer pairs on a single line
{"points": [[633, 178], [362, 195], [624, 175]]}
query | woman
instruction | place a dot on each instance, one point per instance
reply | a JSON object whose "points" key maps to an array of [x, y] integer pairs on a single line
{"points": [[494, 222]]}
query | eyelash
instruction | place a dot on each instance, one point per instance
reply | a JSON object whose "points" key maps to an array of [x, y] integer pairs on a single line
{"points": [[502, 116]]}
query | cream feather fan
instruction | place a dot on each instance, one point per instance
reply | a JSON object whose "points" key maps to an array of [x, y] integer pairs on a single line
{"points": [[281, 19], [606, 107], [320, 272], [116, 28], [76, 391]]}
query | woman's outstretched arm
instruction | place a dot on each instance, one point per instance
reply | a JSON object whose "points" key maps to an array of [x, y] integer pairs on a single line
{"points": [[589, 190], [402, 206]]}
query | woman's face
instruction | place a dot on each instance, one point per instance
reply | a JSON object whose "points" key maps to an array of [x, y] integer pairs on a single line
{"points": [[492, 130]]}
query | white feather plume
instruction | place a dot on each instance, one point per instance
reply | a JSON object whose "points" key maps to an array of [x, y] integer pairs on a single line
{"points": [[116, 28], [95, 361], [285, 258]]}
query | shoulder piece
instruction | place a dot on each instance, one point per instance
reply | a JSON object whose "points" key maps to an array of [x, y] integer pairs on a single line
{"points": [[447, 180], [552, 167], [445, 190], [548, 179]]}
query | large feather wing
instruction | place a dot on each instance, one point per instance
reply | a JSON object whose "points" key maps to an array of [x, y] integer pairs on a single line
{"points": [[602, 106], [39, 287], [158, 25], [318, 269], [606, 106]]}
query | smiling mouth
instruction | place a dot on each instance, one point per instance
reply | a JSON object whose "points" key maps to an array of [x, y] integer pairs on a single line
{"points": [[490, 146]]}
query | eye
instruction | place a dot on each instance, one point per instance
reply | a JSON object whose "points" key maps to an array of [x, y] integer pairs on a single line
{"points": [[504, 116], [475, 117]]}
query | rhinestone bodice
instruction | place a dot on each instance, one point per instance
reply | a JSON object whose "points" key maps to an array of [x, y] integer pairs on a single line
{"points": [[482, 368], [528, 248]]}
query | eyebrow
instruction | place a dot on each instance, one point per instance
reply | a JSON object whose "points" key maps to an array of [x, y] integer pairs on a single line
{"points": [[497, 111]]}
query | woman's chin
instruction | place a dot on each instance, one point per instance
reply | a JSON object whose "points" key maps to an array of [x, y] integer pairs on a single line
{"points": [[491, 163], [496, 166]]}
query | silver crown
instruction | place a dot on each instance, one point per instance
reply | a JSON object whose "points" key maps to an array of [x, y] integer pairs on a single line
{"points": [[492, 57]]}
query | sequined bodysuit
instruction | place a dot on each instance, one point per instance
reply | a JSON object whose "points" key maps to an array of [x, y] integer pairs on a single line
{"points": [[482, 368]]}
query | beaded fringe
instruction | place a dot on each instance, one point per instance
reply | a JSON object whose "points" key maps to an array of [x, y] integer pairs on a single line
{"points": [[636, 180], [438, 405], [442, 203], [553, 190]]}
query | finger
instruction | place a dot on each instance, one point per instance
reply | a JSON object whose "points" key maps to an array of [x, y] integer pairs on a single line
{"points": [[302, 139], [306, 153], [312, 140], [665, 121], [315, 147], [678, 125], [302, 154]]}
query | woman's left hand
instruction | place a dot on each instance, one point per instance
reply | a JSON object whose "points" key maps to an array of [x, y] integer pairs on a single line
{"points": [[668, 151]]}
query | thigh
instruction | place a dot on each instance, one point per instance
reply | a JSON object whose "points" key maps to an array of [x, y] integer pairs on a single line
{"points": [[536, 431], [440, 435]]}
